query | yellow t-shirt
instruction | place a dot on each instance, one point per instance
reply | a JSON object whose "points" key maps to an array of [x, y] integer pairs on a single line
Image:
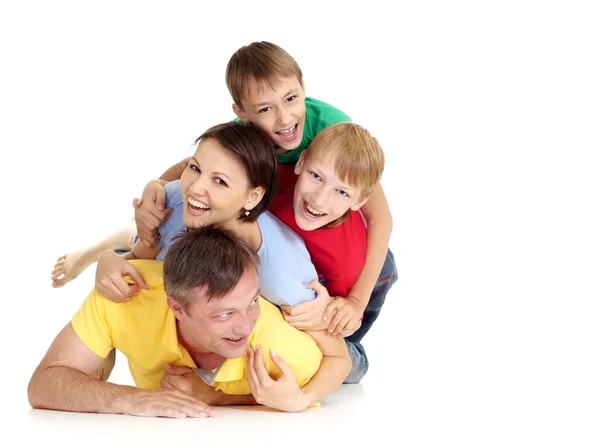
{"points": [[144, 330]]}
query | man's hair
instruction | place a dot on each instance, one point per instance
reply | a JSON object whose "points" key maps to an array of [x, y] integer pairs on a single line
{"points": [[208, 259], [256, 154], [262, 61], [357, 157]]}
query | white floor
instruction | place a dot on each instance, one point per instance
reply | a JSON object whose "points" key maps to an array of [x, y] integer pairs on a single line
{"points": [[488, 114]]}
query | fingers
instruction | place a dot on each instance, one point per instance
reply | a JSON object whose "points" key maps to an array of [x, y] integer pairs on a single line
{"points": [[331, 309], [192, 404], [285, 369], [159, 198], [251, 372], [177, 370], [259, 366], [185, 405], [339, 321], [321, 291], [116, 289], [136, 276]]}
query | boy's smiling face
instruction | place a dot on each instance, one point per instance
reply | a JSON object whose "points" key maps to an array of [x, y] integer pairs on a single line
{"points": [[320, 197], [277, 110]]}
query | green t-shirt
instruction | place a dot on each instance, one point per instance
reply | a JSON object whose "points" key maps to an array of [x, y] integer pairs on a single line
{"points": [[319, 115]]}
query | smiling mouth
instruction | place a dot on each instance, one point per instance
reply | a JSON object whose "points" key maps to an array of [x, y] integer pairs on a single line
{"points": [[197, 206], [236, 341], [313, 212], [288, 134]]}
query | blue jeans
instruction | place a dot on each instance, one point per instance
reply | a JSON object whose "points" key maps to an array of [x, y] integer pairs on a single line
{"points": [[360, 362]]}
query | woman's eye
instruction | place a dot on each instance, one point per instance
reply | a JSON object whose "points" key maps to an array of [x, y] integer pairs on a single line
{"points": [[220, 181], [195, 168]]}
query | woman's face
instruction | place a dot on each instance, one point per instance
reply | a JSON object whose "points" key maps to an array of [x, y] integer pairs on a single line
{"points": [[215, 187]]}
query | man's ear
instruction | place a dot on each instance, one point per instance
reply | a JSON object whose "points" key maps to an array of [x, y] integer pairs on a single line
{"points": [[299, 164], [254, 197], [359, 204], [240, 113], [175, 307]]}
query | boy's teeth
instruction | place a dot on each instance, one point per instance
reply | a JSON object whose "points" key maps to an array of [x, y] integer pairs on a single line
{"points": [[287, 131], [198, 204], [313, 211]]}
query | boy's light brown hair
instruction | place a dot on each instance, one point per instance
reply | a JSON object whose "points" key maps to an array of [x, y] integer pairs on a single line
{"points": [[264, 62], [357, 156]]}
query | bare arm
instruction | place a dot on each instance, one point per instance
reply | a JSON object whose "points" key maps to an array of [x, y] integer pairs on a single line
{"points": [[379, 230], [67, 379], [335, 367], [188, 381], [175, 171]]}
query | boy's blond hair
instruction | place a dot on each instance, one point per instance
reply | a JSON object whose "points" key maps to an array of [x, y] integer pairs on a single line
{"points": [[357, 157], [262, 61]]}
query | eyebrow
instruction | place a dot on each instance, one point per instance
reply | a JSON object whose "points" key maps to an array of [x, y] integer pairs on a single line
{"points": [[227, 310], [319, 172], [284, 96], [216, 172]]}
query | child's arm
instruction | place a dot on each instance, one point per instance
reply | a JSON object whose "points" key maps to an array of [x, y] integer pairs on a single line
{"points": [[345, 314], [379, 230], [150, 210], [175, 171]]}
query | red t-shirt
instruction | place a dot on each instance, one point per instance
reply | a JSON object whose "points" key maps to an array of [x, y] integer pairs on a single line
{"points": [[338, 253]]}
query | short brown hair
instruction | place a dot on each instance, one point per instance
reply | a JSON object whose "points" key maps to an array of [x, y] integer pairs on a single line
{"points": [[357, 157], [210, 258], [261, 61], [255, 152]]}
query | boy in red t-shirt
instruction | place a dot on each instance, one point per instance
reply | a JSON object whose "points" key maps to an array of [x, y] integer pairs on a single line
{"points": [[320, 199]]}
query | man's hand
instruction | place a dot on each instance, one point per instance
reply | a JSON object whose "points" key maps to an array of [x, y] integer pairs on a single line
{"points": [[109, 277], [150, 212], [344, 314], [283, 394], [163, 403], [309, 315], [187, 381]]}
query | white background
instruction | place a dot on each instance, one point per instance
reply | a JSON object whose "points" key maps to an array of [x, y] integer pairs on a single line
{"points": [[489, 116]]}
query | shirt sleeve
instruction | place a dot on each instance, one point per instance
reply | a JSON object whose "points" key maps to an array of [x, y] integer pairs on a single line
{"points": [[173, 199], [91, 325]]}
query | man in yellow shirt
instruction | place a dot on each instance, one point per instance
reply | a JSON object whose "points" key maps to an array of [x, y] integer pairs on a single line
{"points": [[203, 311]]}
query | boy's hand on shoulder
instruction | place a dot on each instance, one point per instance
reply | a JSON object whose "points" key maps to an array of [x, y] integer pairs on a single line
{"points": [[150, 212], [309, 315], [344, 314]]}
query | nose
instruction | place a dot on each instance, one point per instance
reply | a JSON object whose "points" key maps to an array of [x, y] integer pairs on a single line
{"points": [[284, 116], [198, 186], [244, 324], [321, 198]]}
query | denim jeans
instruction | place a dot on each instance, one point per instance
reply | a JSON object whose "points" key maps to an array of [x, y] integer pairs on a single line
{"points": [[360, 362]]}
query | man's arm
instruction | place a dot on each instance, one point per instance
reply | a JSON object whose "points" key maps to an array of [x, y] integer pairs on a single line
{"points": [[67, 379], [379, 230]]}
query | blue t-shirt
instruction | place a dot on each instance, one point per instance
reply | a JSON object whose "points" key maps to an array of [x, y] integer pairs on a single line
{"points": [[285, 262]]}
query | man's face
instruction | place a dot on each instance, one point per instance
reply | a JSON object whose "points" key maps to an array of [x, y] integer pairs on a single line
{"points": [[279, 111], [222, 325], [320, 197]]}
